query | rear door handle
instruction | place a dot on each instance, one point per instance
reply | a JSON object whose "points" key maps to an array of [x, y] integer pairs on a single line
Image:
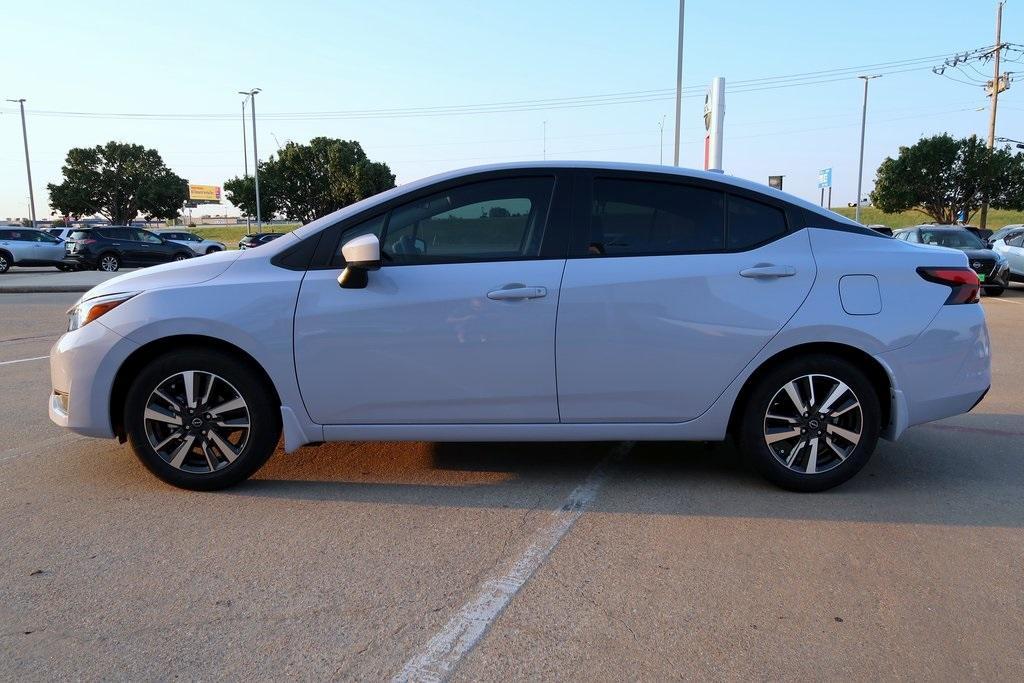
{"points": [[517, 291], [764, 271]]}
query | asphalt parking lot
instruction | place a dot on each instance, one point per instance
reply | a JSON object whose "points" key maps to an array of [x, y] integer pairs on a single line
{"points": [[484, 561]]}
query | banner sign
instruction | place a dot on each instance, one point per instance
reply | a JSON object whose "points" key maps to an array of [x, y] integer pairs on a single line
{"points": [[204, 193]]}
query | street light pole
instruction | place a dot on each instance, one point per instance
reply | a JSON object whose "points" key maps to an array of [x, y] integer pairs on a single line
{"points": [[255, 154], [661, 141], [679, 76], [860, 165], [28, 166], [245, 160]]}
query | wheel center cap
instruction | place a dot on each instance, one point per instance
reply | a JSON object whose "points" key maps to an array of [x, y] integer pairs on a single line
{"points": [[813, 424], [197, 422]]}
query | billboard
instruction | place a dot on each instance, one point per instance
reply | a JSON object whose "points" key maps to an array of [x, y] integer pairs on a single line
{"points": [[204, 193], [824, 178]]}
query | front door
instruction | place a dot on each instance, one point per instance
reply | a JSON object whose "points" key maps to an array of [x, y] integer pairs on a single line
{"points": [[458, 326], [673, 291]]}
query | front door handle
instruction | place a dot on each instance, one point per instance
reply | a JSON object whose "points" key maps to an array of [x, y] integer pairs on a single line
{"points": [[768, 270], [517, 291]]}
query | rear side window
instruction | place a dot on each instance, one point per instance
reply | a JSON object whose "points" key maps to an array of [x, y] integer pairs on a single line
{"points": [[632, 217], [79, 235], [752, 223]]}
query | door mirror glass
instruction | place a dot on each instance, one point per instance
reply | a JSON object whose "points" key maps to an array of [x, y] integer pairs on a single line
{"points": [[362, 254]]}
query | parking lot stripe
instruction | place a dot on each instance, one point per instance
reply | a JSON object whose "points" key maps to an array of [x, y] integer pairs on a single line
{"points": [[438, 659], [22, 360], [1003, 301]]}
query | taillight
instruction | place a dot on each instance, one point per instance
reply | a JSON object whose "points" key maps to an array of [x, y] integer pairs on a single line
{"points": [[963, 281]]}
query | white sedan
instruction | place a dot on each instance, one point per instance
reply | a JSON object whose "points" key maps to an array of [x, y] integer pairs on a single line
{"points": [[194, 242], [1011, 246]]}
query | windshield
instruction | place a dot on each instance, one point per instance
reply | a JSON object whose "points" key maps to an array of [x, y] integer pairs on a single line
{"points": [[957, 239]]}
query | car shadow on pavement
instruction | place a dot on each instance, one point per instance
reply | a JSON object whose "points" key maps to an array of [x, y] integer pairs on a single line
{"points": [[966, 473]]}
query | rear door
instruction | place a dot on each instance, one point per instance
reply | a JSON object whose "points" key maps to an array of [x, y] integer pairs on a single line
{"points": [[1014, 253], [50, 249], [458, 326], [671, 288]]}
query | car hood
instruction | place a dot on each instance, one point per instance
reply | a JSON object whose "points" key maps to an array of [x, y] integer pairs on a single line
{"points": [[173, 274], [982, 254]]}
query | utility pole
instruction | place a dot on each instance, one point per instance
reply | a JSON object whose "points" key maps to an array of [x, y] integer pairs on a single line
{"points": [[255, 154], [679, 77], [28, 166], [996, 85], [863, 123], [245, 159], [544, 148], [661, 141]]}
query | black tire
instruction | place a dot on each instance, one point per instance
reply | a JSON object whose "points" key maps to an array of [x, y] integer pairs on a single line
{"points": [[263, 416], [5, 261], [211, 250], [181, 256], [63, 268], [108, 262], [995, 291], [768, 397]]}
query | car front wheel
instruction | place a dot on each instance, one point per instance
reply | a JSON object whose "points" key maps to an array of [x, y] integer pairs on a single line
{"points": [[181, 257], [811, 423], [5, 262], [200, 419]]}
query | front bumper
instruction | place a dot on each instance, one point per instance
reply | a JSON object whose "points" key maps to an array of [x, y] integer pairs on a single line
{"points": [[83, 365]]}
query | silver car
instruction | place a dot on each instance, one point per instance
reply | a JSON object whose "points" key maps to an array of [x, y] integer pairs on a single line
{"points": [[193, 241], [30, 247]]}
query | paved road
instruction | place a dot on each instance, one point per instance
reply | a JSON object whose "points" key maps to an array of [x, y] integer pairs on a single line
{"points": [[33, 280], [357, 561]]}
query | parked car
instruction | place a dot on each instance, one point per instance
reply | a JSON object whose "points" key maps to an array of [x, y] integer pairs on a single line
{"points": [[257, 239], [1005, 230], [1011, 247], [109, 248], [193, 241], [981, 233], [30, 247], [883, 229], [689, 305], [991, 267], [61, 233]]}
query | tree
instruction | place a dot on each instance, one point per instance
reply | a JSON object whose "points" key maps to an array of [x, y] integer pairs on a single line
{"points": [[118, 181], [305, 182], [943, 177]]}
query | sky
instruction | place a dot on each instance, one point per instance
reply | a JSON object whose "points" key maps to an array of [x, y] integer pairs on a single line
{"points": [[181, 64]]}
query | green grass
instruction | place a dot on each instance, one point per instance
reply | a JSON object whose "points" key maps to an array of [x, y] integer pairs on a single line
{"points": [[230, 234], [869, 215]]}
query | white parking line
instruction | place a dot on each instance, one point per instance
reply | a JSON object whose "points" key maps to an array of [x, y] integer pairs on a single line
{"points": [[22, 360], [438, 659], [1003, 301]]}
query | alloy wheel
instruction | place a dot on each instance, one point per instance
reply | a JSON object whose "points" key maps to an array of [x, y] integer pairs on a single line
{"points": [[180, 257], [197, 421], [3, 264], [108, 264], [813, 423]]}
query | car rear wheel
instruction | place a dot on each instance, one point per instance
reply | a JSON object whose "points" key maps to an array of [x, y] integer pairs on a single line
{"points": [[811, 423], [108, 263], [995, 291], [181, 256], [211, 250], [200, 419], [5, 262]]}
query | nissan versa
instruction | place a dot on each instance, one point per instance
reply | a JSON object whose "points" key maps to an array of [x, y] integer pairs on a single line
{"points": [[534, 302]]}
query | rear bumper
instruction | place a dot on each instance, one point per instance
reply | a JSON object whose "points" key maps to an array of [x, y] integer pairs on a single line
{"points": [[946, 371]]}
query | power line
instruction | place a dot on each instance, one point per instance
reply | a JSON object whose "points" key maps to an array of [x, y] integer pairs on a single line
{"points": [[510, 106]]}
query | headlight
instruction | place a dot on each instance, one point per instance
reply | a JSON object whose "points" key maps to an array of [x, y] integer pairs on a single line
{"points": [[84, 312]]}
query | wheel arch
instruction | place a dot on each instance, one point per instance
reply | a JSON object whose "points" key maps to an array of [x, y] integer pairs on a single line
{"points": [[146, 353], [876, 373]]}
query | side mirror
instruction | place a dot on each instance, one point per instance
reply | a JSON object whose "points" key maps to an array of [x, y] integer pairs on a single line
{"points": [[362, 254]]}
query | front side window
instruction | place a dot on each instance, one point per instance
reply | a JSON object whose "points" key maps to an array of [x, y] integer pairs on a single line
{"points": [[633, 217], [486, 221], [373, 226], [145, 236], [752, 223]]}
